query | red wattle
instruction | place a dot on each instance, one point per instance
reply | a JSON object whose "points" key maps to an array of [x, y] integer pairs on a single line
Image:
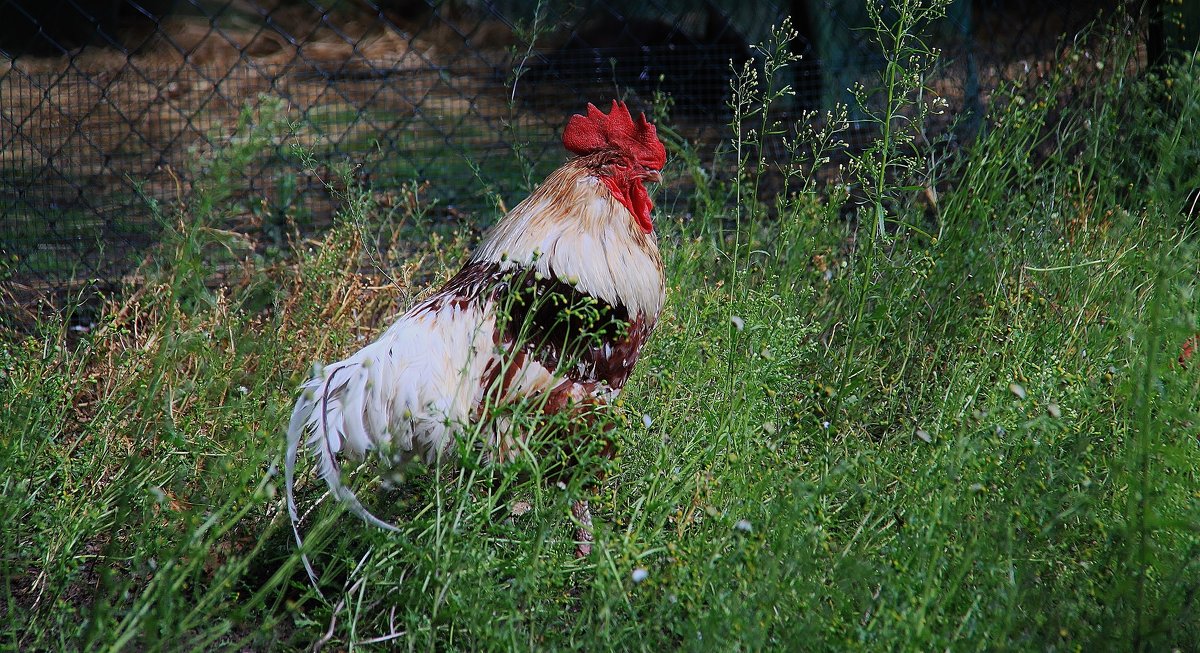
{"points": [[633, 196]]}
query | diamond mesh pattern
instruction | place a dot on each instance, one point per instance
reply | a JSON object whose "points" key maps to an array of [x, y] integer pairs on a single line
{"points": [[103, 110]]}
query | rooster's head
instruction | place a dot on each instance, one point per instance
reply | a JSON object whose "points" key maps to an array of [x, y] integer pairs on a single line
{"points": [[629, 154]]}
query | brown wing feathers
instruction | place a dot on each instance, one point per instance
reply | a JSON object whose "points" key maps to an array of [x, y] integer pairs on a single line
{"points": [[578, 336]]}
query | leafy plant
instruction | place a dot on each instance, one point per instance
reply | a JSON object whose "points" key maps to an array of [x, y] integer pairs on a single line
{"points": [[972, 434]]}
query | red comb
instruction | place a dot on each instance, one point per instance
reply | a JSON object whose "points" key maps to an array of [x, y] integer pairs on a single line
{"points": [[598, 132]]}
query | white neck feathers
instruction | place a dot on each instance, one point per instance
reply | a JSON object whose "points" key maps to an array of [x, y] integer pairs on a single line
{"points": [[573, 229]]}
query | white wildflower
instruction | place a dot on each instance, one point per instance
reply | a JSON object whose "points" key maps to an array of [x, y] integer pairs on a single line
{"points": [[1017, 390]]}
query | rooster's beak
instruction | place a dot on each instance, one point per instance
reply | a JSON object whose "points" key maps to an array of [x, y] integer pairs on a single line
{"points": [[653, 176]]}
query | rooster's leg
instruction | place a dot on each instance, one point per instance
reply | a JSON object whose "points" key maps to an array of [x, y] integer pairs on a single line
{"points": [[583, 534]]}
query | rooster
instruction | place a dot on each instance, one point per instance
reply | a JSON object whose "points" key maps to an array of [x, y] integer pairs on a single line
{"points": [[551, 311]]}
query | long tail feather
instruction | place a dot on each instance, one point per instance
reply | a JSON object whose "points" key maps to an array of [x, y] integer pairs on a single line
{"points": [[315, 401], [295, 430]]}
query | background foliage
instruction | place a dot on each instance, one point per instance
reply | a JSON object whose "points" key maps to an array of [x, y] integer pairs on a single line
{"points": [[965, 430]]}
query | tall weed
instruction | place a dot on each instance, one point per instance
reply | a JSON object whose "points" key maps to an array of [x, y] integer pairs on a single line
{"points": [[958, 426]]}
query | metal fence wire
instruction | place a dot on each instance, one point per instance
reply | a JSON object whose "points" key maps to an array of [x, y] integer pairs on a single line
{"points": [[105, 106]]}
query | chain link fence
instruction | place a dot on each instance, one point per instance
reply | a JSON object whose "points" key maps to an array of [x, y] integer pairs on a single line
{"points": [[105, 106]]}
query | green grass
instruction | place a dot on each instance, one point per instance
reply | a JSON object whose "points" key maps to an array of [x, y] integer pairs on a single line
{"points": [[971, 435]]}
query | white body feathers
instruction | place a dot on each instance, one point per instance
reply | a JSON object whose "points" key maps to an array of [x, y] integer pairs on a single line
{"points": [[412, 391]]}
